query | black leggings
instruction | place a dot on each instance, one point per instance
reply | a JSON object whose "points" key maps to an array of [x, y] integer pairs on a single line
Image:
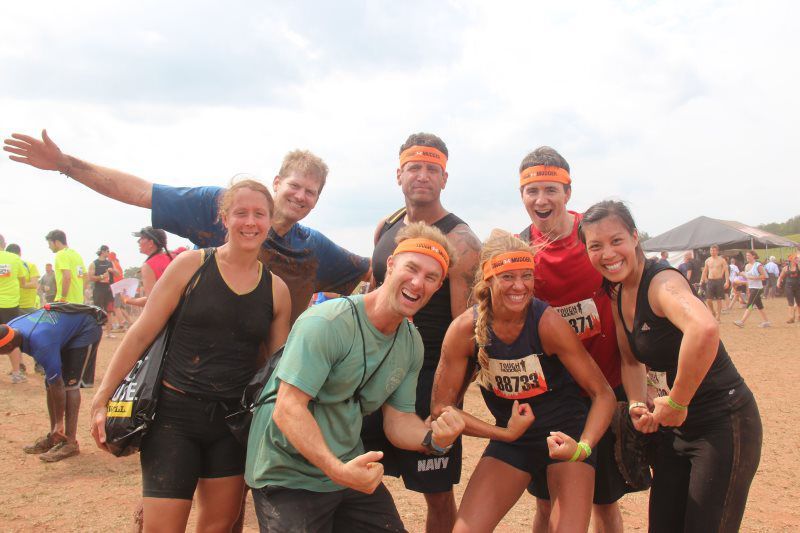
{"points": [[755, 299], [701, 478], [189, 440], [793, 293]]}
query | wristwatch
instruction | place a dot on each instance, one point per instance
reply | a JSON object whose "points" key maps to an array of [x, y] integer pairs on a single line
{"points": [[431, 446]]}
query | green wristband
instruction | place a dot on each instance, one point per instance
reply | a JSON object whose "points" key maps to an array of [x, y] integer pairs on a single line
{"points": [[675, 405], [576, 454], [586, 448]]}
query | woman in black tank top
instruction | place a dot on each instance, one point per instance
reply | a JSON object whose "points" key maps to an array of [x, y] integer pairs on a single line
{"points": [[236, 314], [527, 357], [790, 279], [709, 424]]}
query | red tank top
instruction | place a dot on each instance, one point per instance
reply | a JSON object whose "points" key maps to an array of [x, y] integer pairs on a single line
{"points": [[158, 263], [564, 278]]}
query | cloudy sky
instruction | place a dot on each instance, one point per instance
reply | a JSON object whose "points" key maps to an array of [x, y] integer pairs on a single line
{"points": [[679, 108]]}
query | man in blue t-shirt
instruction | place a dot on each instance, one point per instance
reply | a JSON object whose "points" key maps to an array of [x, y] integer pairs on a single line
{"points": [[304, 258], [65, 344]]}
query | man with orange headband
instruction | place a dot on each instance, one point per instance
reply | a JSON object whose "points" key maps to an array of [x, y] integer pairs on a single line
{"points": [[65, 344], [564, 278], [344, 359], [303, 257], [422, 175]]}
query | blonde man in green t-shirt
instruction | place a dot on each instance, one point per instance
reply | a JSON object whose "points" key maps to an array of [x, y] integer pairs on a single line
{"points": [[12, 279], [69, 268]]}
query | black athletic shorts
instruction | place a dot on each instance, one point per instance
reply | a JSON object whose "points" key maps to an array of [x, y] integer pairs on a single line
{"points": [[609, 485], [282, 510], [530, 453], [421, 472], [7, 314], [77, 366], [188, 441], [103, 298], [715, 289]]}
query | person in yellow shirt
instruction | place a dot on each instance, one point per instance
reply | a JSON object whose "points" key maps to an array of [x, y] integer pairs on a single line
{"points": [[12, 278], [69, 268], [27, 297]]}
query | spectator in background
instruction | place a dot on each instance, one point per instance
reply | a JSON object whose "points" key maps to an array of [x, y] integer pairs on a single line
{"points": [[103, 274], [773, 271], [756, 275], [121, 318], [664, 259], [69, 268], [12, 279], [47, 284], [153, 244], [27, 294], [687, 267], [790, 276]]}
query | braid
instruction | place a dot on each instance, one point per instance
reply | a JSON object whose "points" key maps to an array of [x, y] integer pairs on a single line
{"points": [[483, 296]]}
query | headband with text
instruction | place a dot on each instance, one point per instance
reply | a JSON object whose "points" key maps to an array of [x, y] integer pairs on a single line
{"points": [[427, 247], [544, 173], [507, 261], [424, 154]]}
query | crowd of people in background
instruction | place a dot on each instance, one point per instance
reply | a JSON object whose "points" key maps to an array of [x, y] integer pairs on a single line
{"points": [[558, 326]]}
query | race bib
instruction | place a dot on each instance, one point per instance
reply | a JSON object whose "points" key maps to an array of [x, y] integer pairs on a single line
{"points": [[516, 379], [5, 271], [583, 317]]}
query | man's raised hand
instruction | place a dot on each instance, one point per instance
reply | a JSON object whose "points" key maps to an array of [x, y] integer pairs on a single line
{"points": [[44, 154]]}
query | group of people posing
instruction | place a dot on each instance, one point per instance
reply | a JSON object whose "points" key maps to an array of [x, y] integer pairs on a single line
{"points": [[556, 323]]}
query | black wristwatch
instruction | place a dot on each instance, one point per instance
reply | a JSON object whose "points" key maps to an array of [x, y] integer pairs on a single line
{"points": [[431, 446]]}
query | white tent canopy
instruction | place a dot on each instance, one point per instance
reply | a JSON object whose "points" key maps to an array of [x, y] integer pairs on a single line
{"points": [[702, 232]]}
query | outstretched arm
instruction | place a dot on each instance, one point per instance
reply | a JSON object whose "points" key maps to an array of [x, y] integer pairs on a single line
{"points": [[46, 155]]}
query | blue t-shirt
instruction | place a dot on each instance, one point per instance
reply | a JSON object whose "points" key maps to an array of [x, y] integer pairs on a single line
{"points": [[45, 333], [304, 258]]}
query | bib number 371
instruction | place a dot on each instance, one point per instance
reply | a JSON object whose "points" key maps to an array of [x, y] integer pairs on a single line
{"points": [[583, 317]]}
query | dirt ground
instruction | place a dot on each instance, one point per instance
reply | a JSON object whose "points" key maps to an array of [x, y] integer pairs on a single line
{"points": [[96, 492]]}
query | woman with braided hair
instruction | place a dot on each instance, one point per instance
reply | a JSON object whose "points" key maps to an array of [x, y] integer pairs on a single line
{"points": [[530, 366]]}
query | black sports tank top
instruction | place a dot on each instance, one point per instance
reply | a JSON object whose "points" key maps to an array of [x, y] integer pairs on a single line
{"points": [[656, 342], [433, 319], [213, 352], [523, 371]]}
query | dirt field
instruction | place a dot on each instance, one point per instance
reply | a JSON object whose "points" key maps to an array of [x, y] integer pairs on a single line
{"points": [[96, 492]]}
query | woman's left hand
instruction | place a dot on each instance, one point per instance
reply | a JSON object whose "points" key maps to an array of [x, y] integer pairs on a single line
{"points": [[665, 415], [561, 446]]}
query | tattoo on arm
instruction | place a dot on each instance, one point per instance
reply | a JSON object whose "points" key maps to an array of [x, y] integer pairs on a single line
{"points": [[680, 297]]}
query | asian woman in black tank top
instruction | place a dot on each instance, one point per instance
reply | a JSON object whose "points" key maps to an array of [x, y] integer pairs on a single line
{"points": [[214, 465], [709, 426]]}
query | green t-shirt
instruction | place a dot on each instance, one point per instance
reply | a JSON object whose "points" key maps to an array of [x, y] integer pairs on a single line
{"points": [[68, 259], [316, 360], [27, 297], [11, 270]]}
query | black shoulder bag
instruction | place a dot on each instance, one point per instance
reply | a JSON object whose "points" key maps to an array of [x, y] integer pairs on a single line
{"points": [[132, 408]]}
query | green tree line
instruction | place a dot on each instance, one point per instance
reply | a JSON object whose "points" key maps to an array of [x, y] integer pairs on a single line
{"points": [[783, 228]]}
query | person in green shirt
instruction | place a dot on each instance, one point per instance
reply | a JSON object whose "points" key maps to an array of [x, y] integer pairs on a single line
{"points": [[12, 279], [306, 462], [27, 295], [69, 268]]}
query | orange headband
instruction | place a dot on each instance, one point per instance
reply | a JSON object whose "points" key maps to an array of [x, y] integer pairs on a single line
{"points": [[543, 173], [427, 247], [507, 261], [8, 337], [426, 154]]}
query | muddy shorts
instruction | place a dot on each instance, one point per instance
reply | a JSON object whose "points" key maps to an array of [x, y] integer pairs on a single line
{"points": [[188, 441]]}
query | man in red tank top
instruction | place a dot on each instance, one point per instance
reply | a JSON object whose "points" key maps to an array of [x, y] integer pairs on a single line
{"points": [[564, 278]]}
